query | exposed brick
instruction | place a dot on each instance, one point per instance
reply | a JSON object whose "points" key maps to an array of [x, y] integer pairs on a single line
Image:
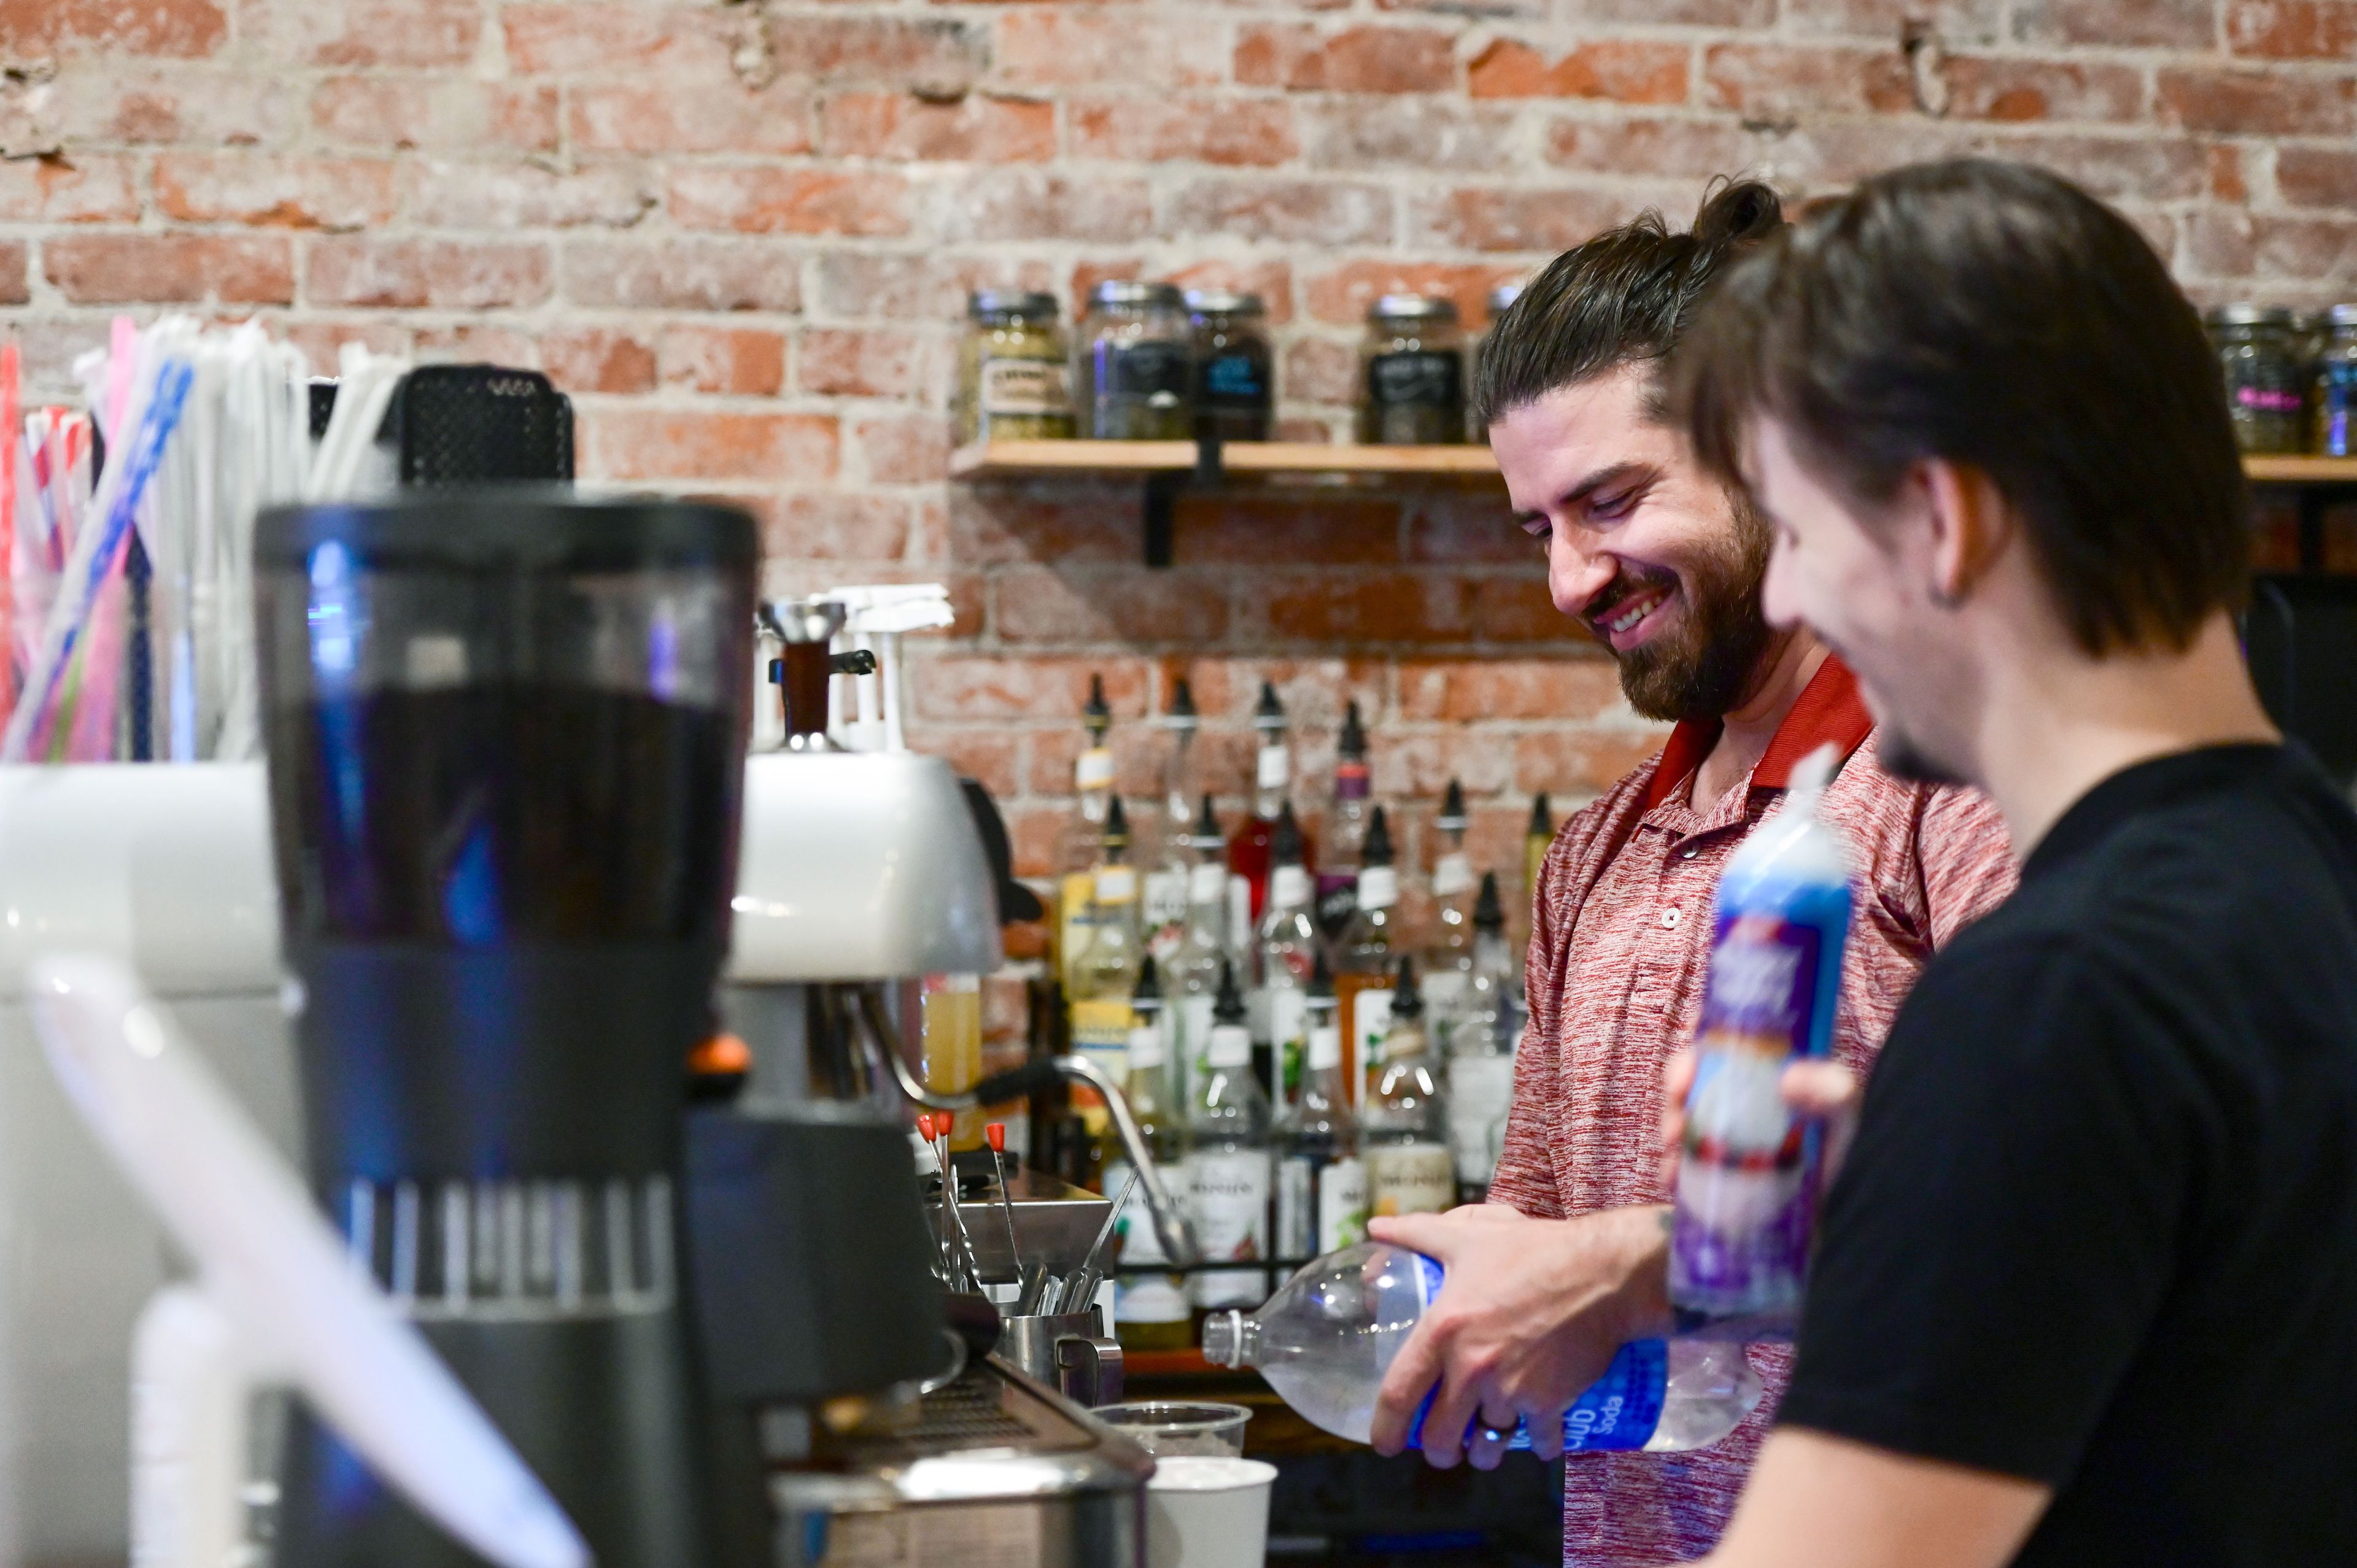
{"points": [[437, 113], [1381, 608], [1466, 525], [614, 39], [760, 199], [992, 525], [508, 195], [599, 360], [864, 362], [1169, 130], [1580, 761], [447, 273], [977, 128], [2145, 168], [1128, 605], [92, 188], [1957, 22], [1986, 87], [183, 29], [986, 755], [1419, 133], [1236, 529], [2273, 249], [371, 34], [741, 361], [275, 190], [1777, 82], [931, 286], [1462, 690], [2119, 24], [1301, 212], [2257, 102], [1626, 70], [935, 56], [121, 100], [903, 448], [718, 116], [1652, 146], [839, 525], [321, 341], [1320, 369], [680, 275], [2293, 29], [177, 269], [2317, 177], [1343, 295], [1021, 203], [476, 343], [1354, 60], [1099, 47], [1546, 219], [1272, 280], [1517, 608], [962, 688], [15, 287], [1313, 690], [684, 444], [1685, 13]]}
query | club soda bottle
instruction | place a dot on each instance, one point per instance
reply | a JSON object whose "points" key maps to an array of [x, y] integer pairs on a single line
{"points": [[1325, 1341], [1747, 1175]]}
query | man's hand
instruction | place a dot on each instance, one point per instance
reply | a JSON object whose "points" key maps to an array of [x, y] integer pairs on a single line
{"points": [[1531, 1312], [1825, 1091]]}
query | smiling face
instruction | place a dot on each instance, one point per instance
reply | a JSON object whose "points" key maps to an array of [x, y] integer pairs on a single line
{"points": [[1642, 548], [1863, 586]]}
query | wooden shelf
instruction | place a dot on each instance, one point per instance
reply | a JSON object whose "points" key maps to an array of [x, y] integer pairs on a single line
{"points": [[1166, 468], [1015, 460], [2301, 470]]}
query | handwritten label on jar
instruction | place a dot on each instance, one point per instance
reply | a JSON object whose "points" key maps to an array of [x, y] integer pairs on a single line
{"points": [[1012, 388]]}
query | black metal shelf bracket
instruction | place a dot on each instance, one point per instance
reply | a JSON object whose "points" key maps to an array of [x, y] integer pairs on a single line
{"points": [[1163, 489]]}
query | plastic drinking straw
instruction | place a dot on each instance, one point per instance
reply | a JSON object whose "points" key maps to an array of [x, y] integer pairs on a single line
{"points": [[12, 423], [79, 594]]}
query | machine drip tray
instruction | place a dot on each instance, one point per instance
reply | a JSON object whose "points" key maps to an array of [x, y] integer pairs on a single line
{"points": [[993, 1470]]}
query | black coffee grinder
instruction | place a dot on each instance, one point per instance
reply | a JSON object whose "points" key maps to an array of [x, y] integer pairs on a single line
{"points": [[506, 734]]}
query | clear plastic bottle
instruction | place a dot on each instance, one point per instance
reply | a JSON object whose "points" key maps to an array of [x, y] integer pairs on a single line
{"points": [[1404, 1128], [1481, 1050], [1325, 1341], [1363, 955], [1286, 948], [1195, 974], [1345, 834], [1448, 964], [1747, 1176], [1228, 1160], [1150, 1311], [1167, 850], [1321, 1183]]}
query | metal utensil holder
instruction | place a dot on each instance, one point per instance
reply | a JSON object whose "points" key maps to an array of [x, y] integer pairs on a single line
{"points": [[1070, 1351]]}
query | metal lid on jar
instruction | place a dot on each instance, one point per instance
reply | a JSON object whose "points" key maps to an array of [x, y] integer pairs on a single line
{"points": [[1502, 297], [2341, 315], [2243, 313], [1123, 293], [1411, 307], [1224, 302], [1009, 302]]}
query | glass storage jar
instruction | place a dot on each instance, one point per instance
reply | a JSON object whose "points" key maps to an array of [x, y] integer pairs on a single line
{"points": [[2264, 385], [1134, 365], [1501, 299], [1014, 371], [2334, 396], [1412, 373], [1235, 369]]}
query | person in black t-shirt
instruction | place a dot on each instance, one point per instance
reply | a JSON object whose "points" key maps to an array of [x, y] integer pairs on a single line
{"points": [[2086, 1287]]}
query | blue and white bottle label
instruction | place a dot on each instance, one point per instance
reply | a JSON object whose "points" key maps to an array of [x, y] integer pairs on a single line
{"points": [[1746, 1183], [1616, 1413]]}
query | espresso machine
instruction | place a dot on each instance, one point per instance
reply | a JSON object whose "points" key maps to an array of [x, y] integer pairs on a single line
{"points": [[509, 804]]}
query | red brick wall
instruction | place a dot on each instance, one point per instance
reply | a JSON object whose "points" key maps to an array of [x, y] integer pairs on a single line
{"points": [[741, 233]]}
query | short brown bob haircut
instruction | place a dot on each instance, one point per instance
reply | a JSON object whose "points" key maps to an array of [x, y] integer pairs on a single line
{"points": [[1997, 317]]}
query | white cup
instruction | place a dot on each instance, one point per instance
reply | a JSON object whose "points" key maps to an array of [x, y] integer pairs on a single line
{"points": [[1207, 1512]]}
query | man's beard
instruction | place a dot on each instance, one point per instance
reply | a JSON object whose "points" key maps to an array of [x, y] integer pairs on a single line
{"points": [[1705, 665]]}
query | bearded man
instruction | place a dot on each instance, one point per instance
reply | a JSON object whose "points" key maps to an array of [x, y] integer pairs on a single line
{"points": [[1664, 564]]}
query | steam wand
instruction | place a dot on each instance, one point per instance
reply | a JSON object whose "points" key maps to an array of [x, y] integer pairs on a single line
{"points": [[883, 1041]]}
